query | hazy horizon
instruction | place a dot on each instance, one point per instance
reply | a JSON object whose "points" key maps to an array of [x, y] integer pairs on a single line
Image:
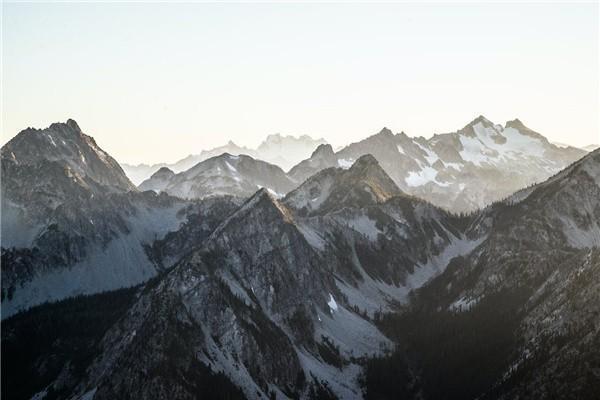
{"points": [[156, 82], [253, 147]]}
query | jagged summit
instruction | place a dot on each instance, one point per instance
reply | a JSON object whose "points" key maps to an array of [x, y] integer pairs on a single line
{"points": [[365, 182], [385, 132], [73, 125], [469, 129], [70, 126], [323, 157], [481, 119], [449, 169], [260, 209], [66, 145]]}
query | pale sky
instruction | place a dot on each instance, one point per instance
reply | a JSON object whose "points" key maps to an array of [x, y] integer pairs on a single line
{"points": [[155, 82]]}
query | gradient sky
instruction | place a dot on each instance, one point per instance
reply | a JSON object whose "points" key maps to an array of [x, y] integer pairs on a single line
{"points": [[155, 82]]}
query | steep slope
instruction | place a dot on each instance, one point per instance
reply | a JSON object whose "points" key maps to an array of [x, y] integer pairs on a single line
{"points": [[379, 242], [459, 171], [280, 302], [222, 175], [264, 312], [525, 299]]}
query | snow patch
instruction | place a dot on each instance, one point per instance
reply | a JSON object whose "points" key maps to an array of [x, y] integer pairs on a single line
{"points": [[332, 304], [430, 156], [422, 177], [437, 264], [463, 304], [231, 167], [51, 140], [345, 163], [89, 395]]}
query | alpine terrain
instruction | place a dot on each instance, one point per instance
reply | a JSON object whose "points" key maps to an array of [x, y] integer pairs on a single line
{"points": [[460, 171], [348, 277]]}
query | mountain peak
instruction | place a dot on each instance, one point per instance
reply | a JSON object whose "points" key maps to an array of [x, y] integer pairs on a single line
{"points": [[385, 132], [480, 119], [516, 123], [365, 161], [163, 172], [261, 204], [364, 183], [65, 145], [260, 193], [520, 126], [323, 150], [71, 123], [367, 170], [68, 128]]}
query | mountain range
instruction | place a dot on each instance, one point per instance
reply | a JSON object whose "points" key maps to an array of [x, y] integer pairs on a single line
{"points": [[348, 277], [282, 150], [461, 171]]}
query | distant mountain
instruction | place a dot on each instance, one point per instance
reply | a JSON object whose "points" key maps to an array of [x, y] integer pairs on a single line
{"points": [[141, 172], [284, 151], [159, 181], [459, 171], [225, 174], [287, 151], [588, 148], [323, 157], [72, 223]]}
